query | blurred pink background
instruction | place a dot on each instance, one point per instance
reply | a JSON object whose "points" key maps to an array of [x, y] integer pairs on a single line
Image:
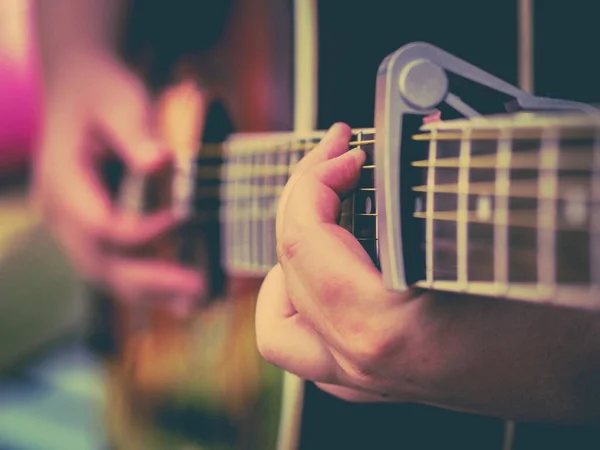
{"points": [[20, 85]]}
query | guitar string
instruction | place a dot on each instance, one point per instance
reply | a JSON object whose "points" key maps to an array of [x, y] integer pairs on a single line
{"points": [[359, 142], [445, 136], [274, 169], [495, 134]]}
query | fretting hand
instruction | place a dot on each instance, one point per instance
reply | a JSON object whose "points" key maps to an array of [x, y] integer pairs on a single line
{"points": [[324, 314]]}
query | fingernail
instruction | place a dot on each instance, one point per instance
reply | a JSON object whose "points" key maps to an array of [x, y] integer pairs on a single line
{"points": [[334, 131], [337, 128]]}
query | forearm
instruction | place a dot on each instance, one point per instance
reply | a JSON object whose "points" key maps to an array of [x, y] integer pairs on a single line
{"points": [[508, 359]]}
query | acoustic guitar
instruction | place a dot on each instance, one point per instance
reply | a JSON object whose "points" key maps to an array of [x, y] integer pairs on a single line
{"points": [[500, 206], [198, 383]]}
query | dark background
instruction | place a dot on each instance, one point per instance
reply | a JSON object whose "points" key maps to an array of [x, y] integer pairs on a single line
{"points": [[356, 35]]}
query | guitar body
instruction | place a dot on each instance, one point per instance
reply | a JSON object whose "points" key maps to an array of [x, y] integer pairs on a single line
{"points": [[174, 384], [200, 383]]}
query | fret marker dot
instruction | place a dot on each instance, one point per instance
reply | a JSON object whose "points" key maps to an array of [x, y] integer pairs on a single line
{"points": [[575, 208], [368, 205], [418, 204], [484, 208]]}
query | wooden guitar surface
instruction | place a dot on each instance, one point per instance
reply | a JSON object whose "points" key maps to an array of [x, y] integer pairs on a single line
{"points": [[200, 382]]}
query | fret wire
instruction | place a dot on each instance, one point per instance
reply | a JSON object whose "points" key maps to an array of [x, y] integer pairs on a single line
{"points": [[260, 229], [239, 242], [253, 230], [462, 228], [246, 238], [268, 238], [546, 231], [223, 191], [295, 157], [430, 209], [246, 203], [353, 218], [372, 166], [502, 188], [595, 220], [236, 232], [283, 160]]}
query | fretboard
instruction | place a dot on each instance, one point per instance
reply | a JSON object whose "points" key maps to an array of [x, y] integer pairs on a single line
{"points": [[255, 170], [510, 208], [504, 207]]}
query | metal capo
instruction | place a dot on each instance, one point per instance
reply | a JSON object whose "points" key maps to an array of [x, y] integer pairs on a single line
{"points": [[413, 80]]}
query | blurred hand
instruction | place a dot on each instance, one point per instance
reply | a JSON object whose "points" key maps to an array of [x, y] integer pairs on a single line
{"points": [[324, 314], [94, 104]]}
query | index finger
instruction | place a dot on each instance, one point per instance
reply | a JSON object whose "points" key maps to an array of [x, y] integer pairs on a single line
{"points": [[330, 277], [333, 144]]}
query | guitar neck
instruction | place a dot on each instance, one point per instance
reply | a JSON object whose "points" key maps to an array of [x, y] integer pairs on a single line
{"points": [[509, 209], [254, 172], [496, 208]]}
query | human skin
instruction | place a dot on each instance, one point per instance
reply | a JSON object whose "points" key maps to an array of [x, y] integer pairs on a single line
{"points": [[323, 313], [93, 103]]}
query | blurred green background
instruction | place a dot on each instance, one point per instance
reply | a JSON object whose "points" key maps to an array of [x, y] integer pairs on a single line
{"points": [[38, 295], [51, 387]]}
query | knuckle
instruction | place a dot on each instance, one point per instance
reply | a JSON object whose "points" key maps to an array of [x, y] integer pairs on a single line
{"points": [[366, 348], [344, 169], [120, 234], [100, 232], [289, 243]]}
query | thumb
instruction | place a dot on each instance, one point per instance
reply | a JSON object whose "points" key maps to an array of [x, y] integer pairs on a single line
{"points": [[284, 338]]}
